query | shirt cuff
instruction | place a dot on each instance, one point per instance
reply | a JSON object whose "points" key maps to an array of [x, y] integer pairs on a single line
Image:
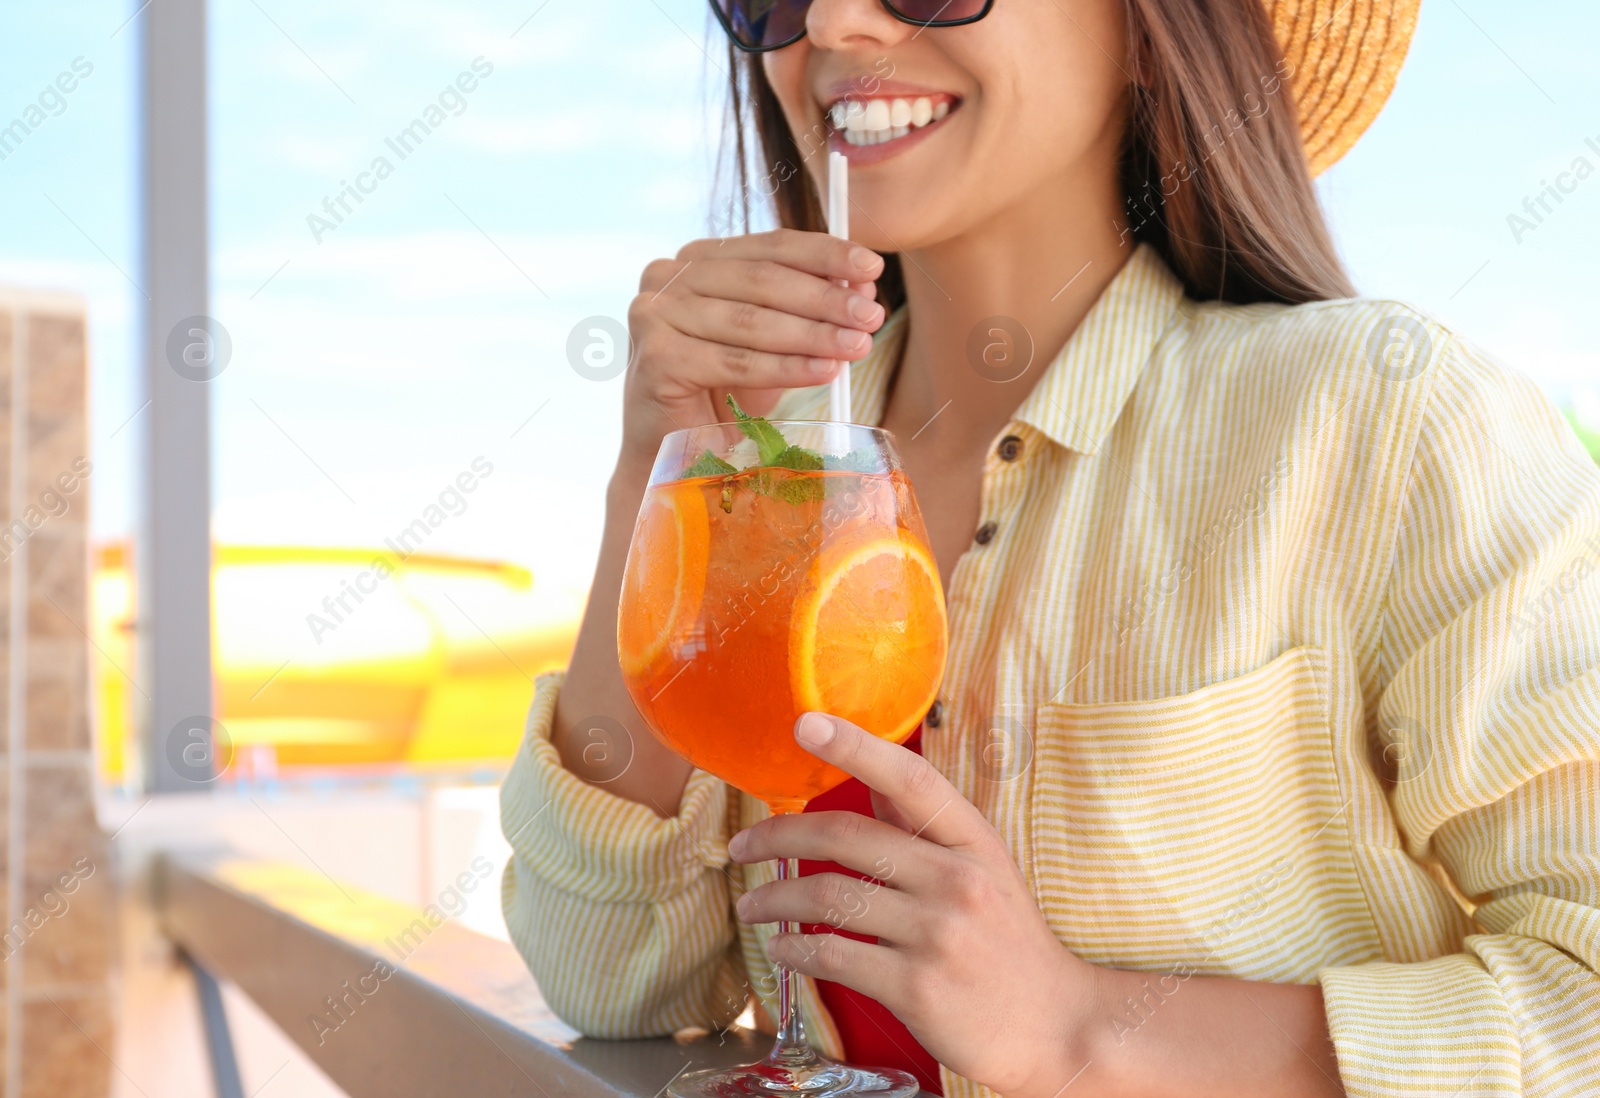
{"points": [[595, 844], [1437, 1027]]}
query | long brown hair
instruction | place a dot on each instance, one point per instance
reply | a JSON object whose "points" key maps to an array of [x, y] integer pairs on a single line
{"points": [[1214, 171]]}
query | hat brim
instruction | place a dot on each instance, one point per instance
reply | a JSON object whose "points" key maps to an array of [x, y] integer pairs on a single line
{"points": [[1343, 59]]}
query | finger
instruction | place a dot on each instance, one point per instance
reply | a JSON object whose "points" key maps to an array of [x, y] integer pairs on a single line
{"points": [[923, 796], [755, 402], [873, 970], [880, 850], [889, 812], [691, 366], [834, 900], [817, 253], [773, 285], [743, 324]]}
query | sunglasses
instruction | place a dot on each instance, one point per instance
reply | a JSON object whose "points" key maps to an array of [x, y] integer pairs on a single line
{"points": [[760, 25]]}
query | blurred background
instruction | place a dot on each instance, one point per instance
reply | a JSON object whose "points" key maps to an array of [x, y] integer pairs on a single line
{"points": [[389, 309]]}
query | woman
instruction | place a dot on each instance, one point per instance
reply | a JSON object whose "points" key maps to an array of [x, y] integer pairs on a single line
{"points": [[1267, 756]]}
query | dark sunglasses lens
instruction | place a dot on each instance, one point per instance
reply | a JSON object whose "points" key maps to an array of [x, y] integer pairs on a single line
{"points": [[756, 24], [938, 11]]}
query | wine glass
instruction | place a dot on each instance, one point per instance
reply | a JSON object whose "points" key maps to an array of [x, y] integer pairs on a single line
{"points": [[777, 568]]}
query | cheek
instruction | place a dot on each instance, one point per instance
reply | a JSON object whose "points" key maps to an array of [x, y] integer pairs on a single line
{"points": [[1050, 88], [785, 70], [1075, 85]]}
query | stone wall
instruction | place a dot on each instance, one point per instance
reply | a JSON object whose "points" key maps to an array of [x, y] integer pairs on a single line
{"points": [[58, 884]]}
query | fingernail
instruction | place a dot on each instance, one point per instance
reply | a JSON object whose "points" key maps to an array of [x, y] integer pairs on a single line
{"points": [[813, 730], [743, 906], [852, 340], [863, 259], [737, 844], [821, 366], [862, 310]]}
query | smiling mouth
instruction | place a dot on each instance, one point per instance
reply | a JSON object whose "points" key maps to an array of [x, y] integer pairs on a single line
{"points": [[877, 121]]}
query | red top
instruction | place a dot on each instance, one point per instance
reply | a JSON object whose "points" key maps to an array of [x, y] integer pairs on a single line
{"points": [[873, 1036]]}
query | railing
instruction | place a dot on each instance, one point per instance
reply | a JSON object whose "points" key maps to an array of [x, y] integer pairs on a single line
{"points": [[389, 1006]]}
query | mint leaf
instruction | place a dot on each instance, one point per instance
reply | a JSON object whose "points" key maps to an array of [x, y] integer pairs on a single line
{"points": [[780, 486], [768, 439], [868, 459], [798, 457], [709, 465], [774, 454]]}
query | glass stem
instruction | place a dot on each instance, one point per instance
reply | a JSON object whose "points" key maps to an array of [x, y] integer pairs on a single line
{"points": [[791, 1047]]}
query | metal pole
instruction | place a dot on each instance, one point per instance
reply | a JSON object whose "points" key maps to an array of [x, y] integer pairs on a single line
{"points": [[173, 550], [225, 1078]]}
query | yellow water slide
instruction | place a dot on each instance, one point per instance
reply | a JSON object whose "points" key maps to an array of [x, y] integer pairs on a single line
{"points": [[346, 656]]}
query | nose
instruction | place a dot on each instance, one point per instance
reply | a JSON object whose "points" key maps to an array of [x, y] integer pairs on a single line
{"points": [[854, 25]]}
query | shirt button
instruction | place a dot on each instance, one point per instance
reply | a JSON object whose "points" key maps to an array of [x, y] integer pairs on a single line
{"points": [[1010, 448], [935, 715], [986, 533]]}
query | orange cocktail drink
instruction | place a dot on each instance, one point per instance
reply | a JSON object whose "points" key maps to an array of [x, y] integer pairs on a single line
{"points": [[755, 592]]}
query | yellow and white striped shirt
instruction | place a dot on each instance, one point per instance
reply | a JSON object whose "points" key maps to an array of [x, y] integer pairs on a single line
{"points": [[1283, 663]]}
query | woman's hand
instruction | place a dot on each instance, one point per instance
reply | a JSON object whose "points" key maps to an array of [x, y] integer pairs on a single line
{"points": [[752, 315], [964, 957]]}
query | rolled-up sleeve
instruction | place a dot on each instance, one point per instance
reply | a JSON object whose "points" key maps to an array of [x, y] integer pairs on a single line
{"points": [[624, 917], [1492, 697]]}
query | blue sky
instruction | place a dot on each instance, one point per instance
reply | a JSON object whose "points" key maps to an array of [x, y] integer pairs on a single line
{"points": [[373, 365]]}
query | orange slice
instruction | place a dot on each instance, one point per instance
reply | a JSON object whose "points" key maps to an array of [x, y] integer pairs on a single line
{"points": [[665, 580], [867, 634]]}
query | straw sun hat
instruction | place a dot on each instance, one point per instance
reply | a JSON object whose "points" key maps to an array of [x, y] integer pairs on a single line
{"points": [[1344, 57]]}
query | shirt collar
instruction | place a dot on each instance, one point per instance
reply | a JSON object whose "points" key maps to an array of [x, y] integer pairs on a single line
{"points": [[1082, 390]]}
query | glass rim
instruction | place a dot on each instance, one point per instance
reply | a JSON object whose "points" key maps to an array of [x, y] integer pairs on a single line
{"points": [[725, 438], [734, 424]]}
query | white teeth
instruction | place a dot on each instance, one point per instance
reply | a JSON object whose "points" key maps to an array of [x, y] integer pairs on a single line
{"points": [[874, 121]]}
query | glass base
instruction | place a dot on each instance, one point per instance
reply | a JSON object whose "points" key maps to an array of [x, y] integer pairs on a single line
{"points": [[798, 1073]]}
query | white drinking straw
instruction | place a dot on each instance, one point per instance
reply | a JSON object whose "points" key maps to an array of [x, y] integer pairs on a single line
{"points": [[839, 225]]}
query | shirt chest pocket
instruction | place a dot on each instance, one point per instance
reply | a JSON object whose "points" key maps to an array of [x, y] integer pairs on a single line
{"points": [[1206, 829]]}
